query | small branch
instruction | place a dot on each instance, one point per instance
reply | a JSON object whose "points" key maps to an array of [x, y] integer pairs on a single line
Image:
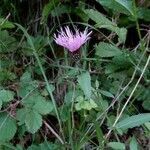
{"points": [[5, 19], [52, 130]]}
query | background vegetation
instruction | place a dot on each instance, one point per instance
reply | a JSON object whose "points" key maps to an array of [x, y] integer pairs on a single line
{"points": [[49, 101]]}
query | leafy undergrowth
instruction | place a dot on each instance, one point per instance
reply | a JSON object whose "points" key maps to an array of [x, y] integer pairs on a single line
{"points": [[96, 98]]}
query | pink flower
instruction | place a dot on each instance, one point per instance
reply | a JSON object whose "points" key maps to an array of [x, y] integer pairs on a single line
{"points": [[71, 41]]}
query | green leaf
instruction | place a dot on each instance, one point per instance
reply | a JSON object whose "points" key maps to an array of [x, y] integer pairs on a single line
{"points": [[71, 95], [133, 144], [103, 104], [26, 88], [7, 42], [133, 121], [116, 145], [7, 146], [92, 103], [107, 50], [48, 146], [44, 146], [21, 115], [146, 105], [5, 24], [147, 124], [0, 104], [60, 10], [6, 95], [33, 121], [48, 8], [64, 112], [19, 147], [99, 18], [84, 103], [33, 147], [144, 13], [121, 6], [106, 93], [102, 22], [84, 81], [6, 75], [119, 63], [38, 103], [80, 12], [26, 77], [26, 84], [7, 127], [43, 107]]}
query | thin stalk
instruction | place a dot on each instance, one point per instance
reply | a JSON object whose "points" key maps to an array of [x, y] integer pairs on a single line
{"points": [[48, 87], [66, 57], [52, 130], [43, 73], [137, 23], [84, 52]]}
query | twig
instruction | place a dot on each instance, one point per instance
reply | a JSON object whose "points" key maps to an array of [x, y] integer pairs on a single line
{"points": [[52, 130], [5, 19]]}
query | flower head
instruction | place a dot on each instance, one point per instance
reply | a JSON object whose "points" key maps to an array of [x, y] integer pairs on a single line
{"points": [[71, 41]]}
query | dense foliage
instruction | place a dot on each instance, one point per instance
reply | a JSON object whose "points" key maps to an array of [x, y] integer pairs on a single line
{"points": [[96, 98]]}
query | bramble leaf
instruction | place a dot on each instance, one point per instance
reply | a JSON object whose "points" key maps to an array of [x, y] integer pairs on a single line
{"points": [[7, 127]]}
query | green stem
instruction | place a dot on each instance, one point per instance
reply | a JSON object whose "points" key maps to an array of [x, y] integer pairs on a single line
{"points": [[48, 88], [43, 73], [137, 23]]}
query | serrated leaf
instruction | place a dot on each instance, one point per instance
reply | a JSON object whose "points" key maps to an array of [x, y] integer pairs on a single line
{"points": [[26, 88], [102, 22], [21, 115], [5, 24], [84, 81], [133, 121], [121, 6], [98, 18], [38, 103], [92, 103], [7, 42], [107, 50], [116, 145], [33, 121], [6, 95], [26, 77], [84, 104], [43, 107], [6, 75], [26, 84], [7, 127]]}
